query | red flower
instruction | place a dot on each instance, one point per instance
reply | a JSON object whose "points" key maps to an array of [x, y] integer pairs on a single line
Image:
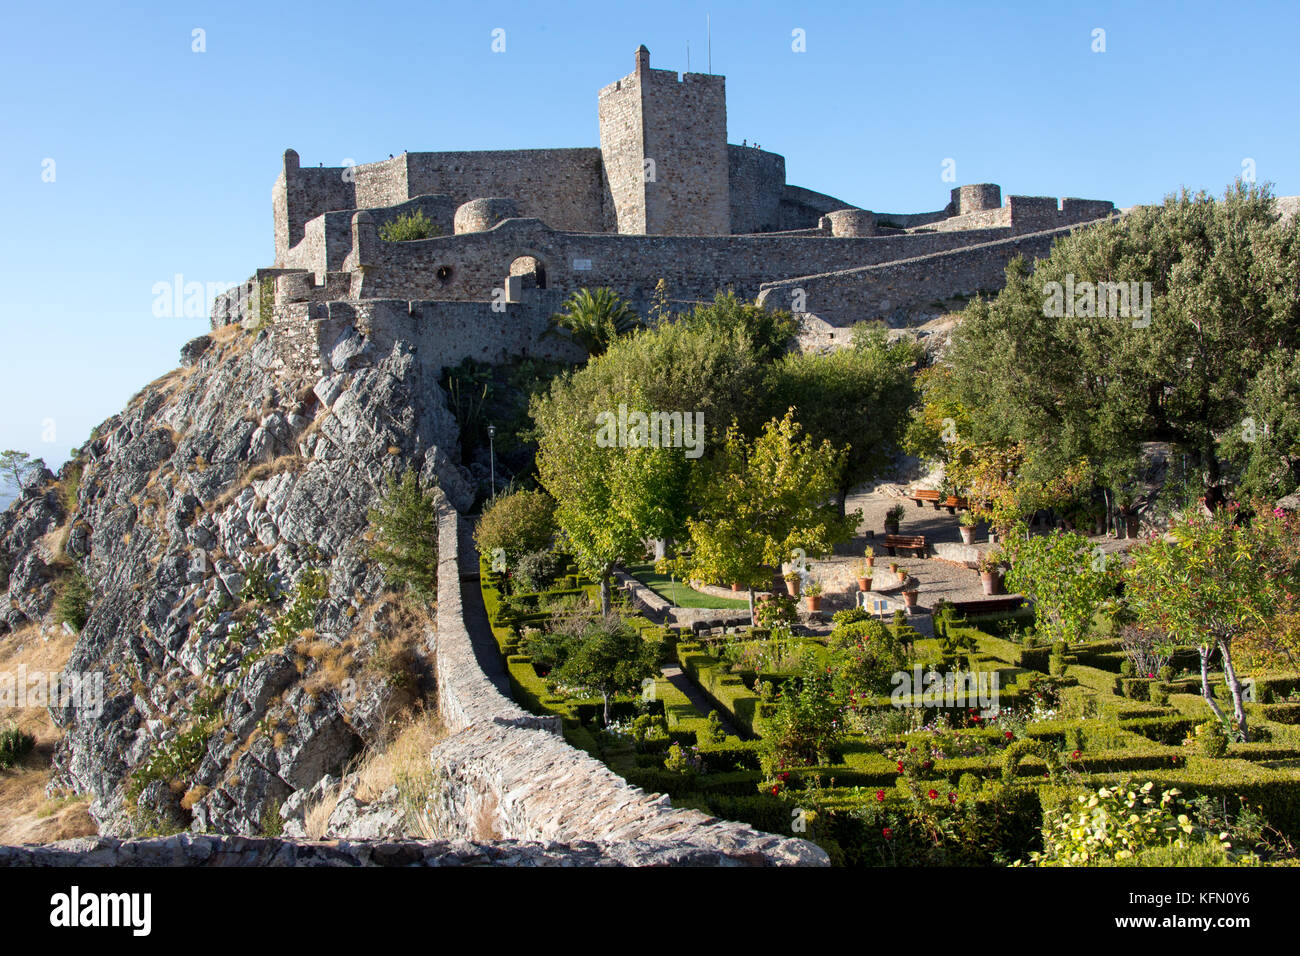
{"points": [[952, 797], [887, 833], [1075, 755], [934, 794], [927, 764], [880, 796], [1008, 734], [900, 766], [976, 718], [775, 789]]}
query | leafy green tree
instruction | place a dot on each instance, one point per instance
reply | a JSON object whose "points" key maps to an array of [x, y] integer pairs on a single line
{"points": [[1065, 578], [611, 499], [516, 523], [770, 332], [1211, 582], [1263, 450], [760, 501], [1095, 384], [594, 318], [610, 658], [858, 399], [405, 531]]}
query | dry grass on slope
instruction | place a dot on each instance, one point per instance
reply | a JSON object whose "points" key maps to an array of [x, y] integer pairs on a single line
{"points": [[27, 815]]}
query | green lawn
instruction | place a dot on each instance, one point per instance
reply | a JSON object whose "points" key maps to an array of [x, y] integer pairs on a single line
{"points": [[679, 593]]}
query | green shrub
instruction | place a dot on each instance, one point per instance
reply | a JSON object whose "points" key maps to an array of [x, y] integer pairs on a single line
{"points": [[14, 745], [72, 604], [515, 524], [1115, 825], [410, 226], [1211, 739], [405, 526], [537, 570]]}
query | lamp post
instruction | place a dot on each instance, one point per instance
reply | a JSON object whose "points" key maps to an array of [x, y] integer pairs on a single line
{"points": [[492, 456]]}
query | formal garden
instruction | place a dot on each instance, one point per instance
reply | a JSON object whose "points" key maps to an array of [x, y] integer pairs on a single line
{"points": [[1086, 650]]}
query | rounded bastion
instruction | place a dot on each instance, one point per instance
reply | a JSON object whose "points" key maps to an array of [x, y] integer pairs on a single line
{"points": [[480, 215], [852, 222]]}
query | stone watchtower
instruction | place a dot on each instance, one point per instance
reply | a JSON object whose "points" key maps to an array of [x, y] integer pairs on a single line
{"points": [[663, 142]]}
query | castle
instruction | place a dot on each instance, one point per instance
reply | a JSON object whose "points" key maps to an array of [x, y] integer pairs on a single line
{"points": [[663, 197]]}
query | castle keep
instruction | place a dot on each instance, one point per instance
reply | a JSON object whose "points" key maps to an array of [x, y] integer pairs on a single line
{"points": [[664, 196]]}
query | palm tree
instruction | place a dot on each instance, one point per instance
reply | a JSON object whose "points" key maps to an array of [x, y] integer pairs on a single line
{"points": [[594, 318]]}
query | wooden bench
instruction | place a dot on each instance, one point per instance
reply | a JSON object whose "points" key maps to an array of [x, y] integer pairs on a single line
{"points": [[923, 495], [992, 605], [905, 542]]}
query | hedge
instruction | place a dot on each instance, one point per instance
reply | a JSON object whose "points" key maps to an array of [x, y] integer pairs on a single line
{"points": [[724, 689]]}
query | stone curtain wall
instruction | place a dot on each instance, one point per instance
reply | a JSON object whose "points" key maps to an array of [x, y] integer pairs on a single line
{"points": [[853, 295], [694, 266], [756, 184], [507, 774], [300, 195]]}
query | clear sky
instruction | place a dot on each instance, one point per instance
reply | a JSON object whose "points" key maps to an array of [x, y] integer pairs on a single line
{"points": [[163, 158]]}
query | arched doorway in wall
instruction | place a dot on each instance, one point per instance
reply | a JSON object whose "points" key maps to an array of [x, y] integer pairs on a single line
{"points": [[531, 271]]}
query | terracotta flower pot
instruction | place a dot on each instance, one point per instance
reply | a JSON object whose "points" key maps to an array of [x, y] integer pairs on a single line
{"points": [[967, 534], [909, 598], [871, 562], [864, 584], [891, 527], [814, 602], [793, 587], [992, 582], [735, 586]]}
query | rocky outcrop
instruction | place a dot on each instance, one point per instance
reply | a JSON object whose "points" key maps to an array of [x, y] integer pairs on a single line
{"points": [[199, 508]]}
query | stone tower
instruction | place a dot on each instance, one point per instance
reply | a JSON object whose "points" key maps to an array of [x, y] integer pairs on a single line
{"points": [[663, 142]]}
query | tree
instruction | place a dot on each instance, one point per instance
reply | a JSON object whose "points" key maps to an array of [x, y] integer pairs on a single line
{"points": [[405, 530], [1218, 293], [14, 466], [516, 524], [612, 497], [608, 659], [857, 398], [760, 501], [594, 318], [1210, 582], [1065, 578], [770, 332]]}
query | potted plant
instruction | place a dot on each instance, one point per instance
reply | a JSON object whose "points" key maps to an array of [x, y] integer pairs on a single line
{"points": [[909, 590], [966, 525], [814, 595], [991, 570], [893, 567], [869, 555], [735, 585], [863, 572], [792, 583], [893, 518]]}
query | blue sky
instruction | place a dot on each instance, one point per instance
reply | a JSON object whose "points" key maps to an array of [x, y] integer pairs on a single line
{"points": [[164, 158]]}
